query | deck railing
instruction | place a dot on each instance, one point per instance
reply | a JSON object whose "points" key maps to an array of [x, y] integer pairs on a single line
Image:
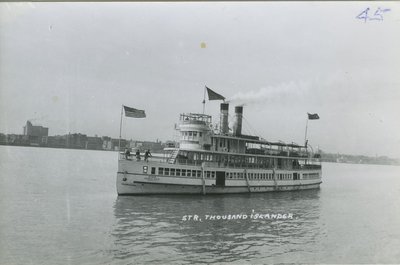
{"points": [[153, 158], [181, 161]]}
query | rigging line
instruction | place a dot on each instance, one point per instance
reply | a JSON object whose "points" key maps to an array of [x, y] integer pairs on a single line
{"points": [[232, 118], [251, 128]]}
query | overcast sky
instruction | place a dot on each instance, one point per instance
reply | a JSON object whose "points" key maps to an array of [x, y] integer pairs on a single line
{"points": [[70, 67]]}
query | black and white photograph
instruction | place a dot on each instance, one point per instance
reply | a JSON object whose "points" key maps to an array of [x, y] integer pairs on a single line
{"points": [[200, 132]]}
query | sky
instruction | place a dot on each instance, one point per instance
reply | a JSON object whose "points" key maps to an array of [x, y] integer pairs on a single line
{"points": [[71, 66]]}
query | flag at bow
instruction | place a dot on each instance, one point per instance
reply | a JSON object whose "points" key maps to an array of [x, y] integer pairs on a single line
{"points": [[134, 113], [213, 95], [313, 116]]}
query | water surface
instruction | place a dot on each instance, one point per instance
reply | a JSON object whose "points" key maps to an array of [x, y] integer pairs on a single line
{"points": [[59, 206]]}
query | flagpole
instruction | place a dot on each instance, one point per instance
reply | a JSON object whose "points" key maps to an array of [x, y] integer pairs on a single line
{"points": [[305, 135], [120, 130], [204, 99]]}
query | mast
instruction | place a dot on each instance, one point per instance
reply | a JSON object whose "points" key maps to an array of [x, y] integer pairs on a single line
{"points": [[305, 135], [204, 99], [120, 129]]}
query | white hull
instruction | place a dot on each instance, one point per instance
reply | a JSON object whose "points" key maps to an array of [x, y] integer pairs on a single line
{"points": [[209, 161], [132, 180]]}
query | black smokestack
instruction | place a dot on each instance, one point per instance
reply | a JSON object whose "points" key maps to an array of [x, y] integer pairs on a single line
{"points": [[237, 126], [224, 118]]}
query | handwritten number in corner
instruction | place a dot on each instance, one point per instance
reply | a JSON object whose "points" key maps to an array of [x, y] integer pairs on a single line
{"points": [[363, 15], [377, 15]]}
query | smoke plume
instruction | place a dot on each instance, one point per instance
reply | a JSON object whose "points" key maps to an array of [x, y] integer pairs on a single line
{"points": [[284, 91]]}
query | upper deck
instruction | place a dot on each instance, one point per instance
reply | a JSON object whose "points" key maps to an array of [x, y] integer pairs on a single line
{"points": [[195, 118], [198, 133], [225, 160], [201, 142]]}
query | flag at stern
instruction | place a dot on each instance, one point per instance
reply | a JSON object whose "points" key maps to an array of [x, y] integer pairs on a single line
{"points": [[313, 116], [134, 113]]}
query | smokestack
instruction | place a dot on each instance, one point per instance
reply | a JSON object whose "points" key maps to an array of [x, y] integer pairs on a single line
{"points": [[224, 118], [237, 126]]}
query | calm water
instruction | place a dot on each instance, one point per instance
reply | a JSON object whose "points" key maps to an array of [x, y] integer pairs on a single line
{"points": [[60, 206]]}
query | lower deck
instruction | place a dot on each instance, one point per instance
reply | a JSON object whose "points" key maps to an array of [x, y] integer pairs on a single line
{"points": [[161, 178]]}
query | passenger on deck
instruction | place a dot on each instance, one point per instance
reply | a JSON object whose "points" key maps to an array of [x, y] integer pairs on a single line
{"points": [[127, 154], [296, 164], [146, 155], [138, 155]]}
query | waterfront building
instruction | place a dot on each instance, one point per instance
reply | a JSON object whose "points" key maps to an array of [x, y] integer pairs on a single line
{"points": [[35, 134]]}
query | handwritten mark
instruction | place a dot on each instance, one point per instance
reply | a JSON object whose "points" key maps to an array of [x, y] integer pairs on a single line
{"points": [[377, 15]]}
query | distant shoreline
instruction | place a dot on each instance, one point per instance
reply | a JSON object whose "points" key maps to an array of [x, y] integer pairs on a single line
{"points": [[70, 148], [327, 158], [53, 147]]}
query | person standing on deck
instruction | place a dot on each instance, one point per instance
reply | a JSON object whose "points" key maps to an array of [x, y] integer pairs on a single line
{"points": [[137, 155], [127, 154], [146, 155]]}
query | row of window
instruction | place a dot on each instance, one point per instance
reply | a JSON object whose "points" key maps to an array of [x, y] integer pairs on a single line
{"points": [[223, 158], [240, 175], [182, 172], [284, 176], [229, 175], [310, 175], [239, 159], [203, 157], [265, 176], [192, 133]]}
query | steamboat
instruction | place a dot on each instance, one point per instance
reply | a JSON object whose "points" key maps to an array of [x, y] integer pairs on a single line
{"points": [[211, 160]]}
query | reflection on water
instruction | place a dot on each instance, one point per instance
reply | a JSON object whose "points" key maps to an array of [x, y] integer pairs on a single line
{"points": [[61, 207], [150, 228]]}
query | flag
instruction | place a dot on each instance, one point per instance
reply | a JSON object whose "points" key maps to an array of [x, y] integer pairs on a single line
{"points": [[134, 113], [214, 96], [313, 116]]}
